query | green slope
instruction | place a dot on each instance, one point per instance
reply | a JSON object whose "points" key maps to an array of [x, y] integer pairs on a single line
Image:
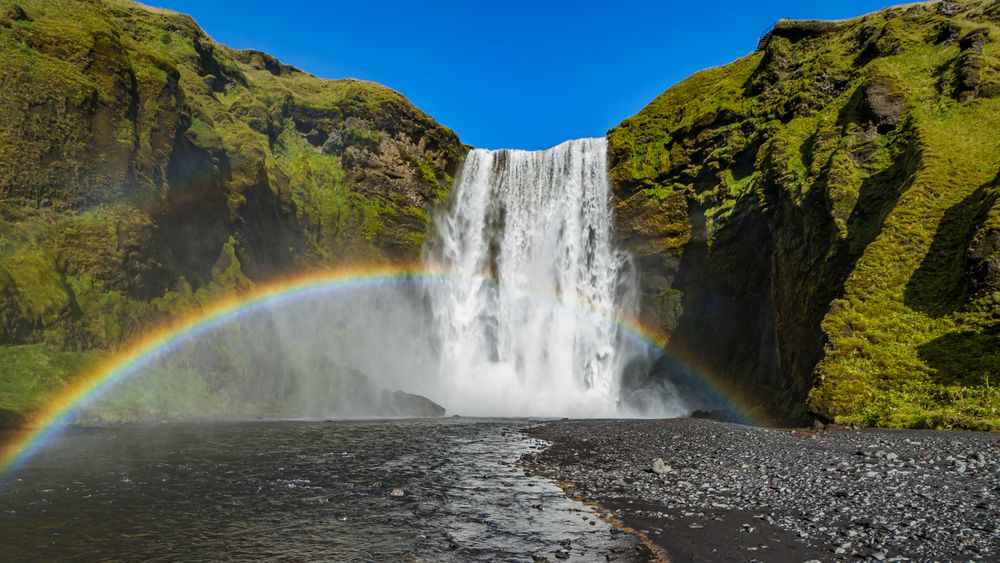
{"points": [[819, 222], [146, 169]]}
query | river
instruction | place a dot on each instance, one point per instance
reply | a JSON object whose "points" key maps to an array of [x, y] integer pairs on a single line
{"points": [[445, 489]]}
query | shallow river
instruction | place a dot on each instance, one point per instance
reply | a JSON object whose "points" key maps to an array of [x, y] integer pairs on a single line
{"points": [[294, 490]]}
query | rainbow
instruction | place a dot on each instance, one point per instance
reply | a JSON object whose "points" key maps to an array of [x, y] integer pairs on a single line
{"points": [[158, 342]]}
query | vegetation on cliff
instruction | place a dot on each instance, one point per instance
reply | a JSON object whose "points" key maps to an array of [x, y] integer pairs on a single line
{"points": [[146, 169], [818, 223]]}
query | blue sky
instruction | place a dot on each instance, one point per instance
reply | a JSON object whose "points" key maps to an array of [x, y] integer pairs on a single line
{"points": [[519, 73]]}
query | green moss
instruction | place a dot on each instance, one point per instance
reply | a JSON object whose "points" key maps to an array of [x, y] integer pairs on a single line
{"points": [[339, 222], [856, 158], [35, 374], [46, 299], [146, 170]]}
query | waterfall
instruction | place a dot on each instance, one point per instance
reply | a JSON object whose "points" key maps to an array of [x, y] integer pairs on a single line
{"points": [[526, 322]]}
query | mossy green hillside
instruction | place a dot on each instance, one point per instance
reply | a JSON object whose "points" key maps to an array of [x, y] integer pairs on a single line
{"points": [[819, 218], [146, 169]]}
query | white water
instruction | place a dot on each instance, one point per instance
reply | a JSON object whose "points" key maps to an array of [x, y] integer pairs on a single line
{"points": [[543, 339], [525, 325]]}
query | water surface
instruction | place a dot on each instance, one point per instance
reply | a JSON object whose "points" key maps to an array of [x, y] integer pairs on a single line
{"points": [[296, 490]]}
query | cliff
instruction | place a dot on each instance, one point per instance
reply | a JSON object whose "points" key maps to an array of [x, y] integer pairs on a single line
{"points": [[818, 223], [145, 169]]}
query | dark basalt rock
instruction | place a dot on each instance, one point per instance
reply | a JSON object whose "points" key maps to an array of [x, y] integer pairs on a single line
{"points": [[971, 68], [13, 13], [265, 61], [883, 102], [797, 30], [983, 263], [399, 403], [975, 40], [948, 8]]}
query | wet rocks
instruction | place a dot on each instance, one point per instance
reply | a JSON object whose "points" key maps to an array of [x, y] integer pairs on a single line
{"points": [[839, 494]]}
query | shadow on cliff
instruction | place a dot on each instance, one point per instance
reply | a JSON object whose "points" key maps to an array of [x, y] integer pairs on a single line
{"points": [[941, 284], [753, 301], [964, 358]]}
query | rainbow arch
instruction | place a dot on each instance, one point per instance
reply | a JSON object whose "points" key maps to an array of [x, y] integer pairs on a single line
{"points": [[165, 338]]}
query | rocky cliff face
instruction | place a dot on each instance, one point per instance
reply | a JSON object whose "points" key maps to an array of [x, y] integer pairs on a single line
{"points": [[817, 223], [145, 169]]}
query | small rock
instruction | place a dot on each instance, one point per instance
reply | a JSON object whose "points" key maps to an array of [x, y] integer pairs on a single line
{"points": [[661, 468], [397, 493]]}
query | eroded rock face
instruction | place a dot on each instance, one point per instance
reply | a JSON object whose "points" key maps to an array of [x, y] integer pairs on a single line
{"points": [[975, 70], [883, 102]]}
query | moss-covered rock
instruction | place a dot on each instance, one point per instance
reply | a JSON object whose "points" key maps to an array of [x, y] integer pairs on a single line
{"points": [[835, 236], [145, 169]]}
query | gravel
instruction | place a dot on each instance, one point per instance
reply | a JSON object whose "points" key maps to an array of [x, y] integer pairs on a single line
{"points": [[736, 492]]}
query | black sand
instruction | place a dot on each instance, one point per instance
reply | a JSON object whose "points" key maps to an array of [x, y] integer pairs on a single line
{"points": [[737, 493]]}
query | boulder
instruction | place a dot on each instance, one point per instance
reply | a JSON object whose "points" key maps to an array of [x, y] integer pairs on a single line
{"points": [[661, 468], [883, 102], [399, 403]]}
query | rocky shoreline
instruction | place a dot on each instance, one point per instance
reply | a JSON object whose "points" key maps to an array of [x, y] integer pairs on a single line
{"points": [[726, 492]]}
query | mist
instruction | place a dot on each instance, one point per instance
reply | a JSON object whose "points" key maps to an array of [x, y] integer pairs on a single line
{"points": [[528, 322]]}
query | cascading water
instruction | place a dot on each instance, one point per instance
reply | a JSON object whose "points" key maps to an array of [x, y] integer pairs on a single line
{"points": [[527, 323]]}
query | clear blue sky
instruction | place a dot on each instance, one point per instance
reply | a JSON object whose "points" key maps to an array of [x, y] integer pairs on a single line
{"points": [[518, 73]]}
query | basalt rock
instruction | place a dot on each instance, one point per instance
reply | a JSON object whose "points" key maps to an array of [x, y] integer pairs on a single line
{"points": [[983, 255], [883, 102], [399, 403]]}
